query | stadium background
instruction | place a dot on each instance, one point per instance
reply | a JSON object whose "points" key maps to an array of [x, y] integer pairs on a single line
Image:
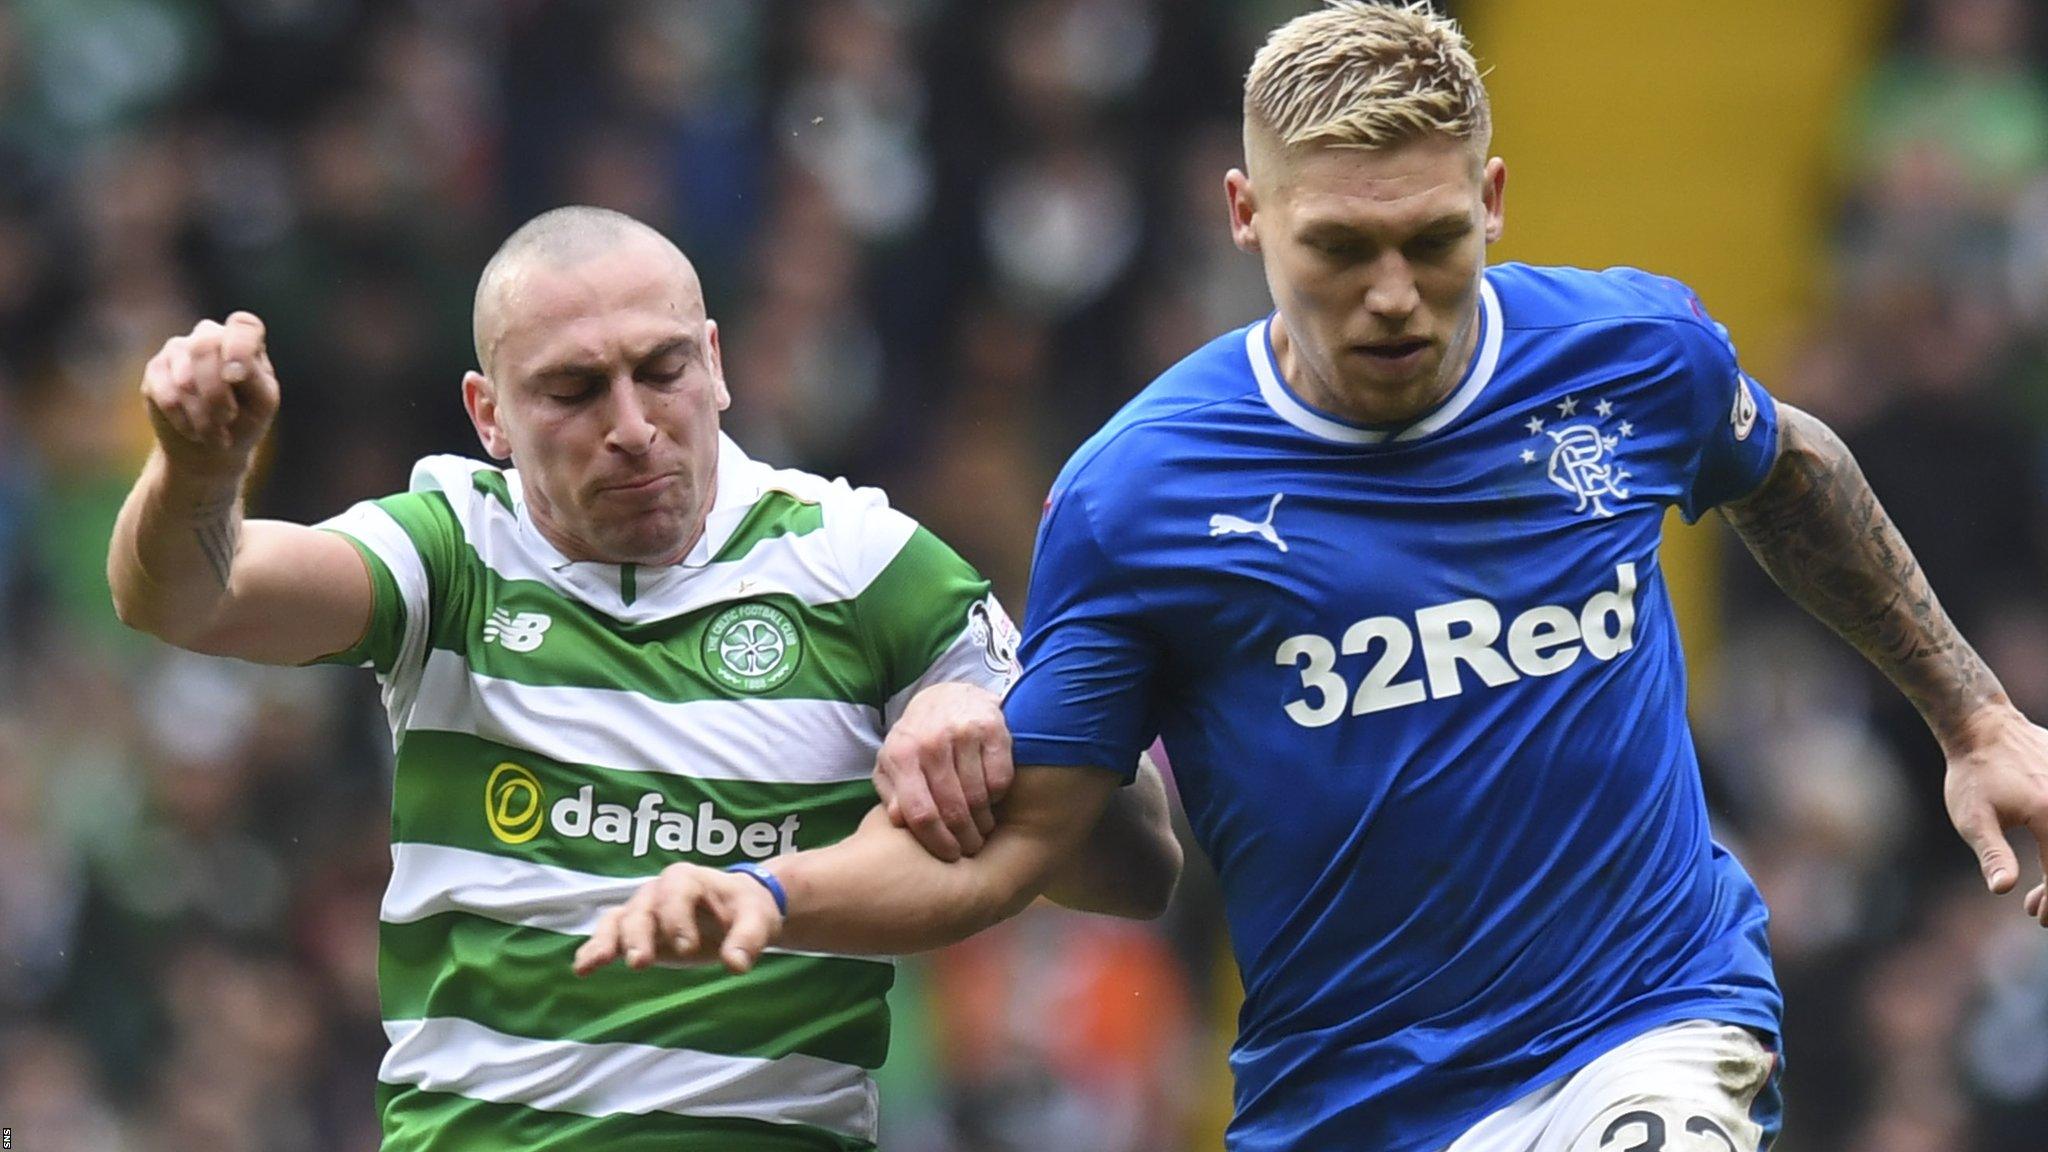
{"points": [[946, 239]]}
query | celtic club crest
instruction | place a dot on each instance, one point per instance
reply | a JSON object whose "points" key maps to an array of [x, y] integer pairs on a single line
{"points": [[1582, 455], [752, 647]]}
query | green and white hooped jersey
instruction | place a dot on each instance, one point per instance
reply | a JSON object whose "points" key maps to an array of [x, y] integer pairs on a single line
{"points": [[565, 730]]}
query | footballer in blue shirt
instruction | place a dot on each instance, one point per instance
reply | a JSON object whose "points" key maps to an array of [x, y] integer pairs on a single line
{"points": [[1381, 570]]}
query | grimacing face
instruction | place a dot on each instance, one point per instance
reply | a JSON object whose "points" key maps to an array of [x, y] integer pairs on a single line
{"points": [[1374, 258], [604, 391]]}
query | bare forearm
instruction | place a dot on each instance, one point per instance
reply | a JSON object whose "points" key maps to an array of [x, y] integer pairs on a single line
{"points": [[172, 557], [879, 892], [1131, 860], [1820, 532]]}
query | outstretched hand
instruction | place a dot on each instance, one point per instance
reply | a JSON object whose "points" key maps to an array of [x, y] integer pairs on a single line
{"points": [[686, 915], [1998, 779]]}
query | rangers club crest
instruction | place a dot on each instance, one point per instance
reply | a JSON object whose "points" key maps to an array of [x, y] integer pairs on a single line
{"points": [[1581, 458]]}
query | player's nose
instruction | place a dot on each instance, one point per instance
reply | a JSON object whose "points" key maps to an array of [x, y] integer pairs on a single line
{"points": [[631, 430], [1391, 293]]}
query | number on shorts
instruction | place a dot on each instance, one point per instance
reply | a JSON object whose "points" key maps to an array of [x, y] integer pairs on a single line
{"points": [[1655, 1131], [1702, 1126]]}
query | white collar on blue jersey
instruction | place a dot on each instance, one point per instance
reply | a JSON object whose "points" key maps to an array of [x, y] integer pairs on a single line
{"points": [[1289, 407], [738, 489]]}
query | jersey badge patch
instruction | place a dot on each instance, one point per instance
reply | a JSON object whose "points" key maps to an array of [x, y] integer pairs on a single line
{"points": [[1581, 459], [994, 634], [752, 647]]}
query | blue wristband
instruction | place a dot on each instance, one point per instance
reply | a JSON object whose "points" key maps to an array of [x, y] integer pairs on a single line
{"points": [[768, 881]]}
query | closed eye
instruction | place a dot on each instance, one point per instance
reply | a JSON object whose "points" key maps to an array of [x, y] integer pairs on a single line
{"points": [[1436, 243], [1336, 249]]}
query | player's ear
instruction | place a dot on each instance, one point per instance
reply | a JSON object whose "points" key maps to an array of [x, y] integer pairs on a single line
{"points": [[1243, 200], [480, 400], [714, 358], [1494, 189]]}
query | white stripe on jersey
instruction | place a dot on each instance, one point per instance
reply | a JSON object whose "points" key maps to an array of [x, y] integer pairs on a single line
{"points": [[761, 741], [429, 879], [452, 1055]]}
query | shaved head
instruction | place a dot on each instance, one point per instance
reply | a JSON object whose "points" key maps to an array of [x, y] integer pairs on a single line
{"points": [[559, 238], [601, 380]]}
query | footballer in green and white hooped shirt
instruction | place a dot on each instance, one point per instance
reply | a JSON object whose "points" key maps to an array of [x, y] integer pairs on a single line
{"points": [[636, 647], [566, 730]]}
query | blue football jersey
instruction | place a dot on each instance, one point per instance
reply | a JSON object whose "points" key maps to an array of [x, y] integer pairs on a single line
{"points": [[1424, 698]]}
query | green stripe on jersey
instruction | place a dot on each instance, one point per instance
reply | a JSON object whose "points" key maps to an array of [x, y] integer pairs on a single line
{"points": [[492, 482], [518, 981], [421, 1121], [443, 794], [774, 514], [385, 631], [662, 659], [431, 524], [917, 607]]}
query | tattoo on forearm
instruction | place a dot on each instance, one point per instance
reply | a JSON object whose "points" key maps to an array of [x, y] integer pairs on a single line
{"points": [[216, 528], [1818, 529]]}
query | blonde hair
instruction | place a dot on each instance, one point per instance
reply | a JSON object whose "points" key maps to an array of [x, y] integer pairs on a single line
{"points": [[1367, 75]]}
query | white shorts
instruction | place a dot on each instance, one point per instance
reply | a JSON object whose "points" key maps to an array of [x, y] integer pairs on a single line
{"points": [[1688, 1087]]}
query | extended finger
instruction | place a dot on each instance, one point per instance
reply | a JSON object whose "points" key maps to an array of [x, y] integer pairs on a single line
{"points": [[753, 923], [603, 946], [637, 928], [678, 919], [1980, 829]]}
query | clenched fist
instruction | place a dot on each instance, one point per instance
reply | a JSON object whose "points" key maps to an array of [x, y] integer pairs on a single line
{"points": [[212, 394]]}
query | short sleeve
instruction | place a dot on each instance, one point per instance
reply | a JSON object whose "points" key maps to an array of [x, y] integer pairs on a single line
{"points": [[928, 618], [1084, 695], [1732, 422], [411, 544], [389, 612]]}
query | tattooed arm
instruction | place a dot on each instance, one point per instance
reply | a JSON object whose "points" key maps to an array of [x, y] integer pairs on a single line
{"points": [[1817, 528], [183, 564]]}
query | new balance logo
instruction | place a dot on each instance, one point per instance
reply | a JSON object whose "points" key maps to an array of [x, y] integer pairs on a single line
{"points": [[1224, 524], [521, 633]]}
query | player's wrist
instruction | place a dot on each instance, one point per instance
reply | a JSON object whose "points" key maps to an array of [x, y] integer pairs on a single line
{"points": [[195, 470], [767, 880], [1983, 726]]}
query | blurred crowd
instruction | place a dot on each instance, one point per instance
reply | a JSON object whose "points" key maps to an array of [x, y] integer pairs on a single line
{"points": [[1917, 1007], [945, 240]]}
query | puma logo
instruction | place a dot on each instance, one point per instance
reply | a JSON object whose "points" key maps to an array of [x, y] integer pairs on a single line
{"points": [[1224, 524]]}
